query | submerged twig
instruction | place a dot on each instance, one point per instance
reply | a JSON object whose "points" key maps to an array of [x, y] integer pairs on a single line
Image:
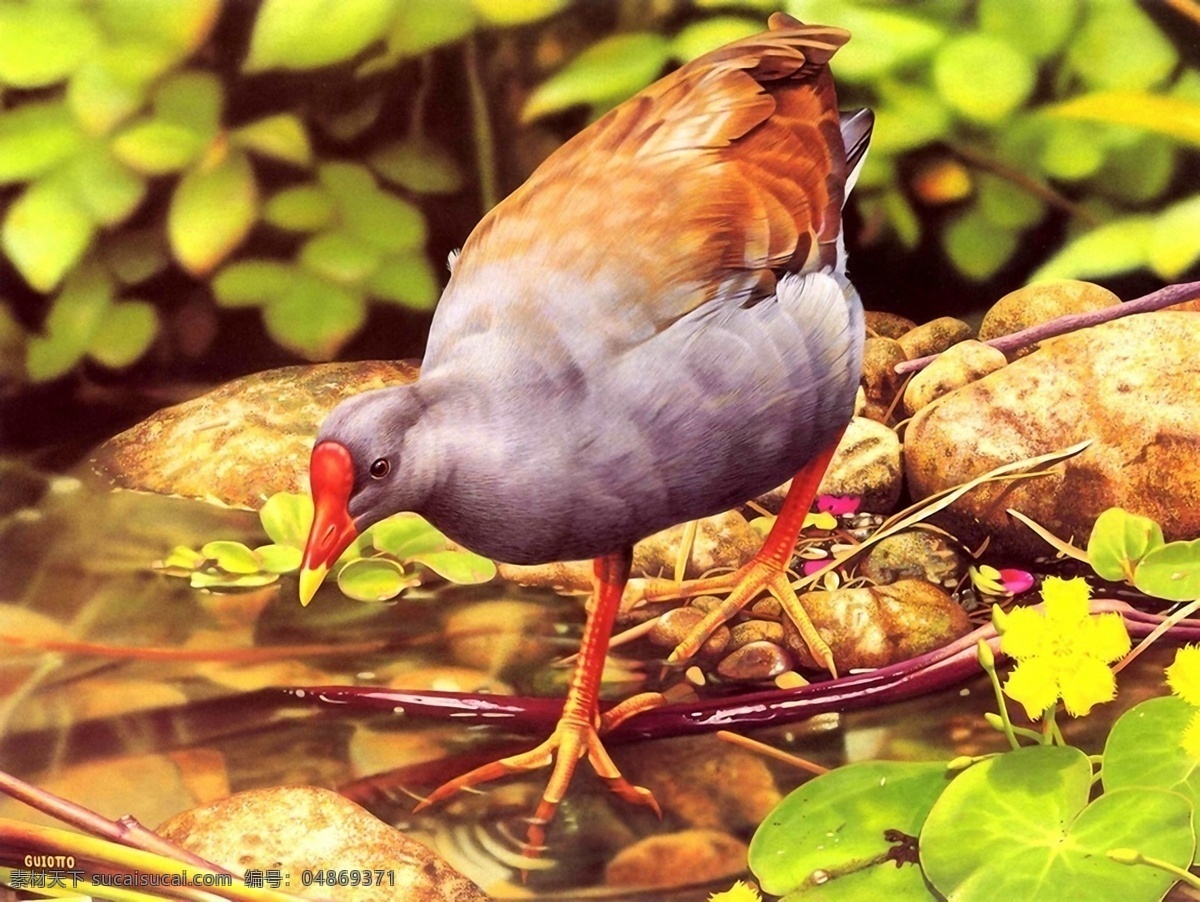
{"points": [[1156, 300]]}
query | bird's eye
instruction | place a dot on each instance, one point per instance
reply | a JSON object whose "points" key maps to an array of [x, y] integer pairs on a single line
{"points": [[380, 468]]}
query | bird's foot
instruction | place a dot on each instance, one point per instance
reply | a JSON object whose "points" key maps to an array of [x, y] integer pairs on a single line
{"points": [[762, 573], [571, 741]]}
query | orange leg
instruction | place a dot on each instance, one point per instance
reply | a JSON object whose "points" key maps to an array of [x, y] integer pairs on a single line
{"points": [[577, 732], [767, 570]]}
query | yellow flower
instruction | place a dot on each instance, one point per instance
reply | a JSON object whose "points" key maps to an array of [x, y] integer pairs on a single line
{"points": [[1183, 675], [739, 892], [1063, 653]]}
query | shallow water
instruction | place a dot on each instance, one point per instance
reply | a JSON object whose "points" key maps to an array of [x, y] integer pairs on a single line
{"points": [[132, 693]]}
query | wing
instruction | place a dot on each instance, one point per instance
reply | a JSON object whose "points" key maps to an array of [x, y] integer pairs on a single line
{"points": [[713, 182]]}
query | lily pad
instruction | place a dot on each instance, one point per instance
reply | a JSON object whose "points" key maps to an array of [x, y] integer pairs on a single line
{"points": [[233, 557], [1170, 571], [373, 579], [286, 517], [462, 567], [279, 558], [1019, 826], [406, 535], [833, 827]]}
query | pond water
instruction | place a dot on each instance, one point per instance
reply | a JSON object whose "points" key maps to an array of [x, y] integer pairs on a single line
{"points": [[132, 693]]}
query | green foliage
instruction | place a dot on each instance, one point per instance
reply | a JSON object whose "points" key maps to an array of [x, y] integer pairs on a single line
{"points": [[379, 565], [1130, 548]]}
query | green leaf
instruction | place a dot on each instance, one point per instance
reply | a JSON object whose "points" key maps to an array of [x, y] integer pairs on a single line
{"points": [[1174, 244], [181, 558], [193, 100], [81, 306], [1119, 46], [348, 182], [107, 190], [155, 147], [407, 280], [128, 330], [349, 123], [1007, 205], [279, 558], [517, 12], [606, 73], [213, 208], [112, 86], [418, 165], [1170, 571], [383, 221], [708, 34], [421, 25], [135, 256], [183, 25], [49, 356], [1018, 826], [902, 218], [1035, 26], [1138, 172], [249, 283], [232, 557], [315, 317], [1119, 540], [1108, 250], [305, 208], [976, 246], [287, 517], [405, 535], [281, 137], [884, 40], [306, 34], [1175, 117], [41, 44], [983, 77], [463, 567], [46, 232], [1144, 749], [339, 256], [1073, 150], [372, 579], [34, 138], [206, 580], [835, 824], [907, 118]]}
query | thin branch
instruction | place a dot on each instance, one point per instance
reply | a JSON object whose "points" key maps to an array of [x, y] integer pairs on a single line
{"points": [[984, 161]]}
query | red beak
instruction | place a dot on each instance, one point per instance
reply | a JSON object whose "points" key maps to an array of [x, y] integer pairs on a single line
{"points": [[331, 473]]}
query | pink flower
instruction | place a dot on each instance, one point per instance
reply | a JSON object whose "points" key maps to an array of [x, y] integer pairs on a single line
{"points": [[838, 504], [1015, 581]]}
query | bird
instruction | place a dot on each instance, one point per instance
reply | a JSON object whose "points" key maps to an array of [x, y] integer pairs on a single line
{"points": [[655, 327]]}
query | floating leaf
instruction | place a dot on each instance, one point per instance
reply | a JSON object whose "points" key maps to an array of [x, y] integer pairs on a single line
{"points": [[43, 43], [281, 137], [1175, 117], [1174, 244], [1032, 803], [708, 34], [408, 280], [155, 147], [128, 330], [249, 283], [976, 246], [34, 138], [372, 579], [205, 580], [108, 191], [306, 208], [1038, 27], [1119, 540], [517, 12], [418, 165], [212, 209], [405, 535], [339, 256], [232, 557], [45, 232], [884, 39], [306, 34], [1119, 46], [181, 558], [462, 567], [1108, 250], [286, 517], [606, 73], [315, 317], [1170, 571], [983, 77], [835, 824], [279, 558]]}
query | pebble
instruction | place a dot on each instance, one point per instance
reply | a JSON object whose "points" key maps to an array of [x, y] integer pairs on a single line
{"points": [[755, 631], [933, 337], [675, 625], [755, 661], [914, 554]]}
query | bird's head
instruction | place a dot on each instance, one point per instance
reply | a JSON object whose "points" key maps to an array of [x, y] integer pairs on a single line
{"points": [[365, 466]]}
